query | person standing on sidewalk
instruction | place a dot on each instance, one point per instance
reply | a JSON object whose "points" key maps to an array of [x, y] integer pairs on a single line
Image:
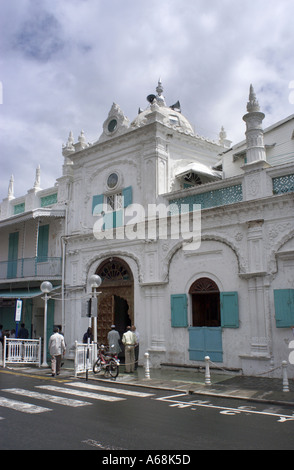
{"points": [[113, 339], [135, 331], [56, 349], [129, 342]]}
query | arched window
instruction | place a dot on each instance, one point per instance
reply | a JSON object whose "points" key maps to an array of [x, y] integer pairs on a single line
{"points": [[205, 303], [114, 270]]}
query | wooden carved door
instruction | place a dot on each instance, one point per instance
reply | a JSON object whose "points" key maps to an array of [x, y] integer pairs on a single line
{"points": [[105, 316]]}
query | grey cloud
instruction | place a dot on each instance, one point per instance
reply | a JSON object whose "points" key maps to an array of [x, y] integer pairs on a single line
{"points": [[63, 63]]}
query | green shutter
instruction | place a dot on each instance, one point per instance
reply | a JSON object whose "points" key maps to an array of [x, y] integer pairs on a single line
{"points": [[127, 196], [284, 307], [179, 318], [97, 204], [12, 255], [229, 309], [43, 240], [109, 221]]}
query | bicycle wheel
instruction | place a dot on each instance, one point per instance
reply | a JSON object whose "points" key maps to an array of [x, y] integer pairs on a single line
{"points": [[113, 368], [97, 366]]}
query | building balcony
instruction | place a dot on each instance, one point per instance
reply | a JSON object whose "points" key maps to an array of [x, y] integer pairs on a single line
{"points": [[31, 268]]}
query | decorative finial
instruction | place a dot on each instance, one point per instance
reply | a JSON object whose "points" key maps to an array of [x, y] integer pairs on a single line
{"points": [[68, 148], [37, 179], [11, 188], [222, 135], [252, 105], [159, 97], [81, 138]]}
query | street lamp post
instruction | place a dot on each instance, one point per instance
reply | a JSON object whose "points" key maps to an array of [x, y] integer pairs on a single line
{"points": [[95, 282], [46, 288]]}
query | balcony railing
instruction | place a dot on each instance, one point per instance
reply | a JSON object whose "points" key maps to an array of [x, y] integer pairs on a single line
{"points": [[37, 267]]}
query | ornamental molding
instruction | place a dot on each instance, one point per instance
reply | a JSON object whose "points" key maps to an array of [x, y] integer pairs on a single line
{"points": [[274, 253], [92, 263], [209, 237]]}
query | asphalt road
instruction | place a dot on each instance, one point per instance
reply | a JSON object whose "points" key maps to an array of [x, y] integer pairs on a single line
{"points": [[46, 414]]}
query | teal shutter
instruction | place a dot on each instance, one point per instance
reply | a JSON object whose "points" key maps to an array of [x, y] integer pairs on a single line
{"points": [[179, 318], [127, 196], [113, 220], [119, 218], [109, 221], [12, 255], [97, 204], [229, 309], [284, 307], [43, 240]]}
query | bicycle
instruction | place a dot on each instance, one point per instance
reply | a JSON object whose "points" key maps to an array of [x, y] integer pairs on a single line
{"points": [[106, 361]]}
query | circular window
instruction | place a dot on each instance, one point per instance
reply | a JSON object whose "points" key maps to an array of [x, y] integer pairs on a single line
{"points": [[112, 180], [112, 125]]}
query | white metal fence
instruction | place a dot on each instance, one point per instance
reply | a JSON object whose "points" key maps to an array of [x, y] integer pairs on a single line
{"points": [[21, 351], [82, 361]]}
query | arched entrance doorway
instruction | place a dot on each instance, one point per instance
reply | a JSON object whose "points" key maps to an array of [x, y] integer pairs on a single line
{"points": [[116, 303]]}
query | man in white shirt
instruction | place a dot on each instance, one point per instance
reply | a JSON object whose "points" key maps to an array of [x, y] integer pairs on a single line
{"points": [[57, 349], [136, 333]]}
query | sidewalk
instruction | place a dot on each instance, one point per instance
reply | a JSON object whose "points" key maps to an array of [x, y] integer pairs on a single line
{"points": [[260, 389]]}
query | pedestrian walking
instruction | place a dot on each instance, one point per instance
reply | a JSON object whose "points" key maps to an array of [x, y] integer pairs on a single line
{"points": [[136, 333], [129, 342], [56, 349], [113, 339]]}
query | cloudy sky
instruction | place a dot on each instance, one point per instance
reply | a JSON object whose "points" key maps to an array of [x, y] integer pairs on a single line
{"points": [[63, 64]]}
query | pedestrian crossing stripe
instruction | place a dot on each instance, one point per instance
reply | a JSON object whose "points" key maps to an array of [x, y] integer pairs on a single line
{"points": [[21, 406], [109, 389], [80, 393], [45, 396]]}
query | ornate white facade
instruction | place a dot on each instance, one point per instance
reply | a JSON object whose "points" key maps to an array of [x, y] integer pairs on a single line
{"points": [[232, 295]]}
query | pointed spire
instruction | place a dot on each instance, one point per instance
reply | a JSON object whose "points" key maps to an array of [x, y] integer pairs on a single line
{"points": [[81, 138], [222, 135], [37, 179], [255, 149], [68, 148], [11, 188], [252, 105]]}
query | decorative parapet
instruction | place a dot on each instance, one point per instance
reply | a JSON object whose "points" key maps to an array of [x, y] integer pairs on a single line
{"points": [[49, 200], [19, 208], [213, 198], [283, 184]]}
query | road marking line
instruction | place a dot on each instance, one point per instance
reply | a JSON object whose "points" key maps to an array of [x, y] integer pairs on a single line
{"points": [[47, 397], [80, 393], [109, 389], [21, 406], [97, 444], [223, 409], [34, 376]]}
